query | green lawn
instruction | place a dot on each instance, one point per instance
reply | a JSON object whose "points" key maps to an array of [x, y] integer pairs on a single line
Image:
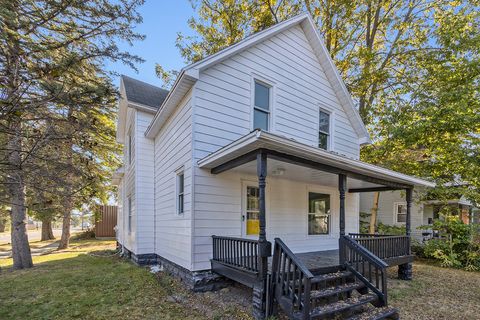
{"points": [[436, 293], [88, 281]]}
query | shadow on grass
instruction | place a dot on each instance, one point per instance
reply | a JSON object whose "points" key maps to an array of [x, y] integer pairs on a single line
{"points": [[98, 284]]}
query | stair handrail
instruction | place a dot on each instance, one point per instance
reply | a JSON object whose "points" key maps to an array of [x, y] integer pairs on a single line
{"points": [[357, 250], [290, 289]]}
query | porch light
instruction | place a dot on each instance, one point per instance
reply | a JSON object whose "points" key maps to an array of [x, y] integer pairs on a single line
{"points": [[278, 172]]}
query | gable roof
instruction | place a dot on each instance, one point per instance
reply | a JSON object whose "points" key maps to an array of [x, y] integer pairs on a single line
{"points": [[143, 93], [190, 73]]}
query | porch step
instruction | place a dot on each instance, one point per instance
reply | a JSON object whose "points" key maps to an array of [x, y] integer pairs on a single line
{"points": [[377, 314], [335, 290], [331, 276], [342, 305]]}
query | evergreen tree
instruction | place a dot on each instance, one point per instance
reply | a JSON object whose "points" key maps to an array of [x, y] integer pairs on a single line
{"points": [[52, 57]]}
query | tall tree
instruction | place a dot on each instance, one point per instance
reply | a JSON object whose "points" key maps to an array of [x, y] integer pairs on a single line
{"points": [[42, 43], [372, 42], [410, 65], [433, 130]]}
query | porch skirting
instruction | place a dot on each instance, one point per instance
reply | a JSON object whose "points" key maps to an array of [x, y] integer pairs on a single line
{"points": [[197, 281]]}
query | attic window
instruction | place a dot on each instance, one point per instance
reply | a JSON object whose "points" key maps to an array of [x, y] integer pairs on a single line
{"points": [[324, 130]]}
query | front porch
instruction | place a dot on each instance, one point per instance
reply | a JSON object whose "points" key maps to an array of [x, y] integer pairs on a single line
{"points": [[301, 282]]}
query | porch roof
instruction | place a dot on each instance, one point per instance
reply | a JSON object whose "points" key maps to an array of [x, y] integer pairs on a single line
{"points": [[281, 148]]}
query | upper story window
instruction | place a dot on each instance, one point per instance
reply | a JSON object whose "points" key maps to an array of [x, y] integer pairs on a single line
{"points": [[180, 192], [261, 107], [324, 130]]}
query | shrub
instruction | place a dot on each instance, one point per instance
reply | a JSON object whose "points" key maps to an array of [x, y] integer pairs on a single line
{"points": [[88, 234], [458, 245]]}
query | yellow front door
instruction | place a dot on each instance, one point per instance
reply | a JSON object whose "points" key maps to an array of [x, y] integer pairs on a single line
{"points": [[252, 224]]}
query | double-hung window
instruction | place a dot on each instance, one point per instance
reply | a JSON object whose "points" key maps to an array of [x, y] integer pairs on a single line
{"points": [[318, 213], [324, 130], [261, 107], [129, 147], [401, 212], [180, 192], [129, 208]]}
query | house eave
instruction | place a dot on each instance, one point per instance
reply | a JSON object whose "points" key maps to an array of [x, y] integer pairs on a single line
{"points": [[264, 140], [184, 82]]}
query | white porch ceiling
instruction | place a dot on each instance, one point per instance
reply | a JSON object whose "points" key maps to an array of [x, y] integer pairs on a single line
{"points": [[302, 174]]}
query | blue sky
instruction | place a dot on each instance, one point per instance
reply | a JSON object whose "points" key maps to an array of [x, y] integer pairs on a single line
{"points": [[162, 19]]}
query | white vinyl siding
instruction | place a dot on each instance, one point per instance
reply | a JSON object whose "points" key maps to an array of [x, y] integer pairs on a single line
{"points": [[144, 202], [173, 147], [223, 113], [224, 91]]}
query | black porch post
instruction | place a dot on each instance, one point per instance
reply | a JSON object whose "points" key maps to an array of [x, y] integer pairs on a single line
{"points": [[405, 270], [264, 247], [342, 187]]}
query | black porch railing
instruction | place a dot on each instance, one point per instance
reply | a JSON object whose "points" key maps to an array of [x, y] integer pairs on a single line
{"points": [[365, 265], [291, 280], [236, 252], [384, 246]]}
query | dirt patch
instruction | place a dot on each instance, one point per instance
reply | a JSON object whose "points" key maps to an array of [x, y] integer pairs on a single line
{"points": [[233, 302]]}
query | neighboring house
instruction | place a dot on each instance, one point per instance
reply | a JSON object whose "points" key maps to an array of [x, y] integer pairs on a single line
{"points": [[257, 142], [392, 211]]}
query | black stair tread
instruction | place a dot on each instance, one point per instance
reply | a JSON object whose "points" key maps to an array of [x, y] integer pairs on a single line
{"points": [[330, 291], [331, 276], [342, 305], [377, 314]]}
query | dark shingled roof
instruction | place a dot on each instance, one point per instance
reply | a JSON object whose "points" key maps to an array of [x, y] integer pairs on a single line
{"points": [[143, 93]]}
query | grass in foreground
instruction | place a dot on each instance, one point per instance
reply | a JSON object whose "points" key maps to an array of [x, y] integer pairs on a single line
{"points": [[88, 281], [436, 293]]}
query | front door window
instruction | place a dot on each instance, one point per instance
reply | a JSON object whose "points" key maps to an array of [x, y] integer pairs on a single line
{"points": [[252, 211], [318, 213]]}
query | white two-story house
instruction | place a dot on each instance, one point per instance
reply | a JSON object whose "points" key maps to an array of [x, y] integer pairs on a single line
{"points": [[257, 142]]}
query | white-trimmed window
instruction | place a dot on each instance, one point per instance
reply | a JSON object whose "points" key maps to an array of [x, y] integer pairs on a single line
{"points": [[129, 147], [400, 210], [180, 198], [129, 212], [324, 130], [261, 106], [319, 206]]}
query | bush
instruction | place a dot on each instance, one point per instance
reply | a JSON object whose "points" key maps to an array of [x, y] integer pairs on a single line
{"points": [[458, 245], [88, 234]]}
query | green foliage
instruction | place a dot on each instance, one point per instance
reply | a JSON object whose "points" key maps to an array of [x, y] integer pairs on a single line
{"points": [[380, 228], [458, 245]]}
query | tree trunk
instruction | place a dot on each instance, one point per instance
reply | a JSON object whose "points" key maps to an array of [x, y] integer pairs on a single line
{"points": [[374, 211], [2, 225], [47, 232], [67, 215], [22, 257], [68, 199]]}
